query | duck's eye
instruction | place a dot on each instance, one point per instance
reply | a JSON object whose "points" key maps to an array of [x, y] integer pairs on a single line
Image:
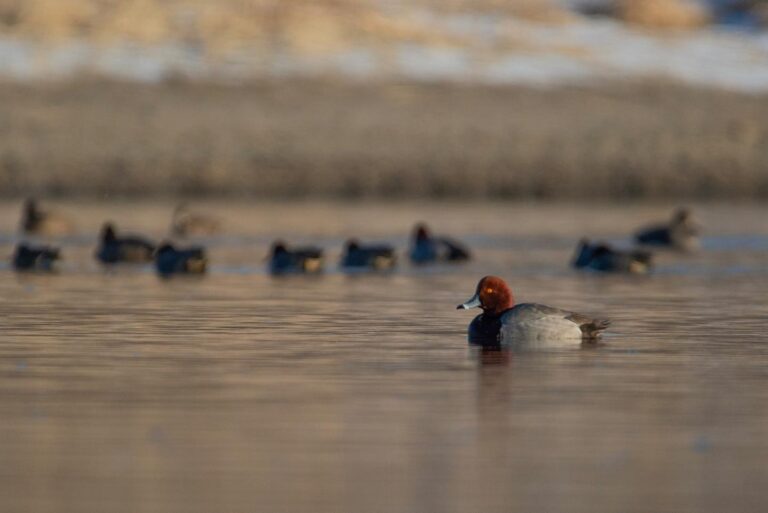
{"points": [[489, 291]]}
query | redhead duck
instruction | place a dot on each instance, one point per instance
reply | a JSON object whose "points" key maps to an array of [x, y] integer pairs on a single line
{"points": [[131, 248], [426, 249], [306, 260], [504, 323], [681, 232], [36, 221], [186, 223], [375, 257], [602, 257], [32, 258], [170, 260]]}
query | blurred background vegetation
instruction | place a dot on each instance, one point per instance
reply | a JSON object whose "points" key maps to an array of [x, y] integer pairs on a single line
{"points": [[568, 99]]}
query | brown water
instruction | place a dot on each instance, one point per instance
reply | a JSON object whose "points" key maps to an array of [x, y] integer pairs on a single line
{"points": [[240, 392]]}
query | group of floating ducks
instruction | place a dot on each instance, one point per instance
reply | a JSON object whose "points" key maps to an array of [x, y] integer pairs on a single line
{"points": [[169, 260], [502, 322]]}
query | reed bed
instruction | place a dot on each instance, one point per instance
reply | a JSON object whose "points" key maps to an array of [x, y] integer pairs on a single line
{"points": [[332, 139]]}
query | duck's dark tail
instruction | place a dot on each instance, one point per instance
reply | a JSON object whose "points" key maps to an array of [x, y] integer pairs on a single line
{"points": [[594, 329], [591, 329]]}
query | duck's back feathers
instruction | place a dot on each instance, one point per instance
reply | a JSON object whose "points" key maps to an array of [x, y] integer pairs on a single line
{"points": [[295, 260], [169, 260], [654, 235], [452, 250], [532, 322], [601, 257], [128, 248], [373, 257]]}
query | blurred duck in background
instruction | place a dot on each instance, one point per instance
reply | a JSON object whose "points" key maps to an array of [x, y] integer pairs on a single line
{"points": [[426, 249], [170, 260], [129, 248], [681, 232], [186, 223], [367, 257], [35, 258], [601, 257], [304, 260], [36, 221]]}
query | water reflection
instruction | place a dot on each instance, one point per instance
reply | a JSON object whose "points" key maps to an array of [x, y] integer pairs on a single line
{"points": [[490, 355]]}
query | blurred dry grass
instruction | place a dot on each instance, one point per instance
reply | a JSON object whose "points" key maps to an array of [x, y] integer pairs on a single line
{"points": [[663, 13], [323, 138], [303, 25]]}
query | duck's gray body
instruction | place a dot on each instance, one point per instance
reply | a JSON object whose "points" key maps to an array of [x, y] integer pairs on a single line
{"points": [[532, 323]]}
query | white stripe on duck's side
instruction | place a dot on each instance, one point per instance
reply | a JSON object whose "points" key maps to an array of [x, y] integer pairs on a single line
{"points": [[526, 323]]}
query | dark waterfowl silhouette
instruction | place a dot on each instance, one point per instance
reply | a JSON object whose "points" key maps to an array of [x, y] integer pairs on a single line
{"points": [[170, 260], [35, 258], [681, 232], [36, 221], [602, 257], [129, 249], [186, 223], [504, 323], [368, 257], [426, 249], [303, 260]]}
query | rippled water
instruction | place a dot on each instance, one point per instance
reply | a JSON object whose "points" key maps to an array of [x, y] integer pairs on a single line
{"points": [[240, 392]]}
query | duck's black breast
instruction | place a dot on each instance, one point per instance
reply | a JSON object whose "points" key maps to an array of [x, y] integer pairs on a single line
{"points": [[484, 330]]}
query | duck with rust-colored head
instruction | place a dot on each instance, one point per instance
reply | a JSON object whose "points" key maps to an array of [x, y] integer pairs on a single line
{"points": [[428, 249], [505, 323]]}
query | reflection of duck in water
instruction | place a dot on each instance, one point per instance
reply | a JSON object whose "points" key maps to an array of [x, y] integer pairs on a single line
{"points": [[35, 258], [490, 355], [504, 323], [602, 257], [681, 232], [169, 260], [368, 257], [130, 248], [186, 223], [304, 260], [426, 249], [36, 221]]}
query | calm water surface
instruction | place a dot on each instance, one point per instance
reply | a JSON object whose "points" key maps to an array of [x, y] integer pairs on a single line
{"points": [[120, 392]]}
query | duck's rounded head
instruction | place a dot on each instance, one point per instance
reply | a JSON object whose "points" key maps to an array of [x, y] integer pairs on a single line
{"points": [[31, 216], [165, 247], [279, 248], [353, 245], [30, 206], [108, 233], [681, 216], [492, 295], [421, 232]]}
